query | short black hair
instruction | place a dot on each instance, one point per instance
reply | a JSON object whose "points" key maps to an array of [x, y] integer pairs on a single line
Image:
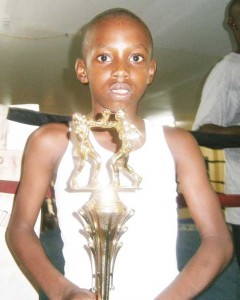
{"points": [[107, 14]]}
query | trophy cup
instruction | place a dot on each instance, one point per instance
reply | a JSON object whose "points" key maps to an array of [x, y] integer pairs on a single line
{"points": [[104, 215]]}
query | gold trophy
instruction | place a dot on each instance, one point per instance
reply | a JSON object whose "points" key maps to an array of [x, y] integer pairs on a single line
{"points": [[104, 215]]}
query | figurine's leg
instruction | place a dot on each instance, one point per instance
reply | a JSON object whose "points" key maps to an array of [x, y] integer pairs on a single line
{"points": [[97, 166], [74, 182], [115, 170], [116, 162], [137, 179]]}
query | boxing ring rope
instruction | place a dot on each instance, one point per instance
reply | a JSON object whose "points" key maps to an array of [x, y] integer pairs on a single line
{"points": [[208, 140], [216, 142]]}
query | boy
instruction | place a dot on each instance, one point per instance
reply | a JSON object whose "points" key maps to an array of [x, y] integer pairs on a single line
{"points": [[117, 64]]}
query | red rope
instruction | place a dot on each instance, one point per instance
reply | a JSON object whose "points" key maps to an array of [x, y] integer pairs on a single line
{"points": [[10, 187]]}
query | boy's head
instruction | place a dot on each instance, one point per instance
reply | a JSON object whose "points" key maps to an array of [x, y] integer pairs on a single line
{"points": [[108, 14], [116, 60]]}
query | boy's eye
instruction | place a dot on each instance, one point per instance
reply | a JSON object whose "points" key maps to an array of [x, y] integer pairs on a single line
{"points": [[136, 58], [104, 58]]}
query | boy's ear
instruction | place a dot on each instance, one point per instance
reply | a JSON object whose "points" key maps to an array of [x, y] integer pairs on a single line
{"points": [[232, 23], [80, 70], [152, 71]]}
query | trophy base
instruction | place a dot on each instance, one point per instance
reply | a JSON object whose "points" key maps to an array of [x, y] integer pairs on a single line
{"points": [[127, 189], [82, 188], [86, 188]]}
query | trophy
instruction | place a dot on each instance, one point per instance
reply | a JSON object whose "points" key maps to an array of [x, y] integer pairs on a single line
{"points": [[104, 215]]}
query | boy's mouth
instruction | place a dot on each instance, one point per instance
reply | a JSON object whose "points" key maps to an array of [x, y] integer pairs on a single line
{"points": [[120, 91]]}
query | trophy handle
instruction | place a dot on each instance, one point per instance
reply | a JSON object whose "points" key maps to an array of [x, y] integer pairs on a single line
{"points": [[104, 224]]}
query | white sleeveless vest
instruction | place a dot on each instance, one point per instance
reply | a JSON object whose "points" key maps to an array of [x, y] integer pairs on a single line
{"points": [[146, 263]]}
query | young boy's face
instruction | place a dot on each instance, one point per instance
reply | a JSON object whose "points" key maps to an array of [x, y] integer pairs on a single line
{"points": [[117, 63]]}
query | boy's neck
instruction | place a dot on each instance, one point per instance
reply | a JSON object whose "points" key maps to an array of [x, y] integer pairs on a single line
{"points": [[109, 139]]}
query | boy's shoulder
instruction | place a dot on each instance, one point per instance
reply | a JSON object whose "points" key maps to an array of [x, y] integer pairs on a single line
{"points": [[54, 130], [50, 136], [179, 140], [176, 132]]}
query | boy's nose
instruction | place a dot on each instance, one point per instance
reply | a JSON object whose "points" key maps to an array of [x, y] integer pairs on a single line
{"points": [[121, 71]]}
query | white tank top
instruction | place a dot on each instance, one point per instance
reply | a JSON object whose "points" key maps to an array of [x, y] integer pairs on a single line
{"points": [[146, 263]]}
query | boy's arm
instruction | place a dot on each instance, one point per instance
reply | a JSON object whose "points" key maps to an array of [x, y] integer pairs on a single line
{"points": [[42, 155], [216, 246]]}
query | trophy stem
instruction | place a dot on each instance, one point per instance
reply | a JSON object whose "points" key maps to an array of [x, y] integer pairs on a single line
{"points": [[105, 219], [104, 281], [103, 267]]}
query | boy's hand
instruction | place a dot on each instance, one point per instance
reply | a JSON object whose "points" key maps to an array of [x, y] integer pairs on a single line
{"points": [[75, 293]]}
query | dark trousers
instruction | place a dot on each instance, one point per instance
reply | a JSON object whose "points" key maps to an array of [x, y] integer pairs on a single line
{"points": [[236, 241], [52, 243]]}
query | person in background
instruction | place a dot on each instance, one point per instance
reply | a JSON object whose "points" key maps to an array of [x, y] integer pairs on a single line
{"points": [[117, 62], [219, 112]]}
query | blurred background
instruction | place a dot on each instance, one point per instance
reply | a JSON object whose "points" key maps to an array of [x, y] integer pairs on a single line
{"points": [[38, 52]]}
